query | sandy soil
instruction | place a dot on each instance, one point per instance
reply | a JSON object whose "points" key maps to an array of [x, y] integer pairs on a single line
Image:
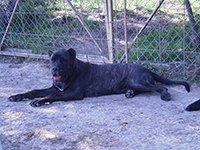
{"points": [[102, 123]]}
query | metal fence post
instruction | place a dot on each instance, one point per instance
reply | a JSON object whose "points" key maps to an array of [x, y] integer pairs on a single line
{"points": [[125, 32], [108, 5]]}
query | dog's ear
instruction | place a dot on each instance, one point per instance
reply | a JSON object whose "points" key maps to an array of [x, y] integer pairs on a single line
{"points": [[50, 53], [72, 52]]}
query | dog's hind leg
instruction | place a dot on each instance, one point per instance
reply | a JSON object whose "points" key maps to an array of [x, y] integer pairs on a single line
{"points": [[147, 87]]}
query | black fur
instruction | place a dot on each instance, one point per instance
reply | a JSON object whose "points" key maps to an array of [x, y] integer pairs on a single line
{"points": [[74, 80], [194, 106]]}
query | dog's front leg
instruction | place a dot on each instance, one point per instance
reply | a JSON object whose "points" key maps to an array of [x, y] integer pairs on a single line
{"points": [[61, 96], [33, 94]]}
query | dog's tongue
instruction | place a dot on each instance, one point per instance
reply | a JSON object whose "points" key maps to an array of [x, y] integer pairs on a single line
{"points": [[56, 77]]}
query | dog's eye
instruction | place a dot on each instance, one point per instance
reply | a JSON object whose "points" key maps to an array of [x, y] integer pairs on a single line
{"points": [[62, 60], [53, 60]]}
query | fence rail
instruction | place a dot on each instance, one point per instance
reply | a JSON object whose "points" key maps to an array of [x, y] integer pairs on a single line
{"points": [[161, 34]]}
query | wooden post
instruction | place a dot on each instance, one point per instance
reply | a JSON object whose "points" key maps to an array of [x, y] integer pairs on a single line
{"points": [[108, 5]]}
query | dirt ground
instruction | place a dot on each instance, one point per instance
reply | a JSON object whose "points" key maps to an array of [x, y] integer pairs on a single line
{"points": [[102, 123]]}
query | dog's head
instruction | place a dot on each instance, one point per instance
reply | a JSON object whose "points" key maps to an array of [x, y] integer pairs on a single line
{"points": [[62, 64]]}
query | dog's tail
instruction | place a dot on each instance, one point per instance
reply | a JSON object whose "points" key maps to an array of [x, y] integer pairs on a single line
{"points": [[160, 79], [194, 106]]}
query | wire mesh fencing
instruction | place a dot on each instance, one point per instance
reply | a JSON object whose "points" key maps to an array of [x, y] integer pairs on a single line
{"points": [[166, 45], [160, 34]]}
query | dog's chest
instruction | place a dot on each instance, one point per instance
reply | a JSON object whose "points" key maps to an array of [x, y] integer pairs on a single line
{"points": [[60, 86]]}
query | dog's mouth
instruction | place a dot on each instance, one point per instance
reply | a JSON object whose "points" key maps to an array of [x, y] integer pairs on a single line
{"points": [[56, 77]]}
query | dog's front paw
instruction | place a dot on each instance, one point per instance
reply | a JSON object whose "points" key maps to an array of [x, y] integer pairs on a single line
{"points": [[37, 103], [15, 98]]}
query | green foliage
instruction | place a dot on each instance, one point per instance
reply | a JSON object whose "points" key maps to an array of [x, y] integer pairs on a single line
{"points": [[162, 45], [92, 24]]}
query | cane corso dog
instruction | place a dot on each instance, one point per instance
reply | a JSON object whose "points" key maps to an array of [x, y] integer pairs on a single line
{"points": [[74, 79], [194, 106]]}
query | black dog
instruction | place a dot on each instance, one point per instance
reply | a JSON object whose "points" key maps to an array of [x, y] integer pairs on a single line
{"points": [[194, 106], [74, 80]]}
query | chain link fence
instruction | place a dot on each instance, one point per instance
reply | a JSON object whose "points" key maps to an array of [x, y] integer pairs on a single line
{"points": [[160, 34]]}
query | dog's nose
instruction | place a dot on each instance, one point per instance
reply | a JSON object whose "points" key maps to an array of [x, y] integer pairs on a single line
{"points": [[54, 69]]}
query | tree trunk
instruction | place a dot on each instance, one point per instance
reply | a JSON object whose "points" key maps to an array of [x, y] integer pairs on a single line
{"points": [[6, 13], [194, 38], [3, 16]]}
